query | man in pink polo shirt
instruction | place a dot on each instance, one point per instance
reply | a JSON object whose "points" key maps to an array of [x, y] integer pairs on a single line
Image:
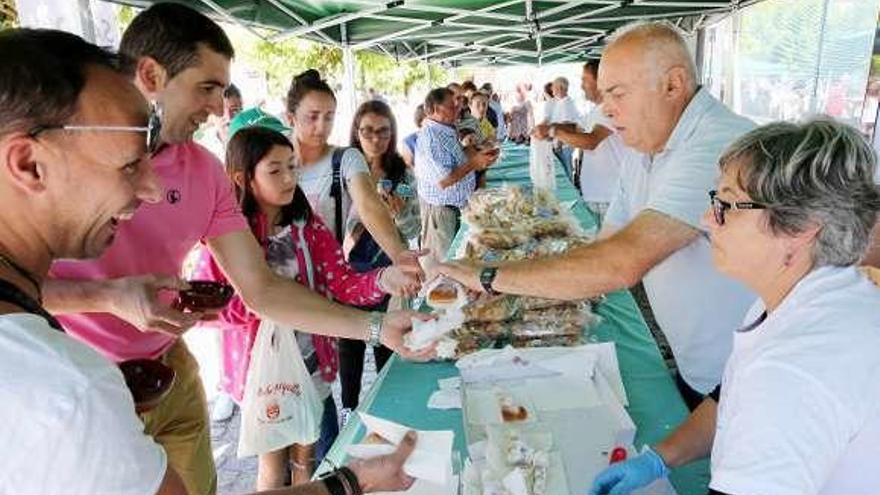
{"points": [[179, 59]]}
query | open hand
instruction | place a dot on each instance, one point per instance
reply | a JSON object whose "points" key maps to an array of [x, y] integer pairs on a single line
{"points": [[466, 273], [409, 262], [395, 326], [385, 473], [398, 282], [137, 301]]}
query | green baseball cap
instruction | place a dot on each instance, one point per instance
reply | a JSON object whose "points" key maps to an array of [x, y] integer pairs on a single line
{"points": [[256, 117]]}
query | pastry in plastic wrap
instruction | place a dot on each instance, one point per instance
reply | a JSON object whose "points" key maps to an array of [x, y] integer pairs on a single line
{"points": [[443, 295], [555, 341], [500, 238], [522, 330], [564, 314], [536, 303], [500, 307]]}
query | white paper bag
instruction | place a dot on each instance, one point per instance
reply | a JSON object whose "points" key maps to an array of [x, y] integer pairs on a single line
{"points": [[542, 169], [281, 405]]}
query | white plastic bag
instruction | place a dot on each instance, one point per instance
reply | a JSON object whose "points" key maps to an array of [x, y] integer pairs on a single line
{"points": [[542, 166], [281, 405]]}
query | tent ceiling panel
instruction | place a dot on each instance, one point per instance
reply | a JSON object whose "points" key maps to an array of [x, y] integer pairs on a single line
{"points": [[502, 30]]}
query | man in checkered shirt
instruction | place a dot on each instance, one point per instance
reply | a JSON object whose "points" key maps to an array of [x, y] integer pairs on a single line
{"points": [[444, 173]]}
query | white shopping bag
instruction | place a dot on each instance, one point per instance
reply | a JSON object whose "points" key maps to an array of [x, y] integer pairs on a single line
{"points": [[542, 169], [281, 405]]}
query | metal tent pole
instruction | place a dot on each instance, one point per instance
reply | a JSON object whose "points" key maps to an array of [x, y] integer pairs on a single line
{"points": [[349, 98]]}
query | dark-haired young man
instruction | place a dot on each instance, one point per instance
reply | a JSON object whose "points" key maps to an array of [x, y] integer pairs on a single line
{"points": [[179, 60]]}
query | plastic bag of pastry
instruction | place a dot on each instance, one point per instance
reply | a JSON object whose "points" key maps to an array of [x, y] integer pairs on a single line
{"points": [[535, 329], [534, 303], [549, 341], [542, 164], [550, 227], [500, 307], [500, 238], [567, 314], [484, 330]]}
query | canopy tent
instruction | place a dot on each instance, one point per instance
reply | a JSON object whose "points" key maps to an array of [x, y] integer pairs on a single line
{"points": [[458, 31]]}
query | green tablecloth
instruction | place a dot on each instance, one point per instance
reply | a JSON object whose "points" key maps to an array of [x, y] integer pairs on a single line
{"points": [[402, 389]]}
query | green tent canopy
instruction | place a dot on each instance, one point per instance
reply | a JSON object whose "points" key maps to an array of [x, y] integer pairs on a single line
{"points": [[458, 31]]}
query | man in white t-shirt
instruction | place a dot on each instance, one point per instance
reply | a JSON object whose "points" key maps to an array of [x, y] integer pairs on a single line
{"points": [[71, 122], [602, 150], [652, 230], [70, 422], [562, 111]]}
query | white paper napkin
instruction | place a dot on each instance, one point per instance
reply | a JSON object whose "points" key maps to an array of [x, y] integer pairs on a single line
{"points": [[424, 333], [490, 365], [430, 461], [445, 399]]}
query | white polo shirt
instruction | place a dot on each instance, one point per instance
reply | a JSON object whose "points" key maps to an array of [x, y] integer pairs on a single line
{"points": [[696, 307], [68, 419], [600, 167], [799, 412]]}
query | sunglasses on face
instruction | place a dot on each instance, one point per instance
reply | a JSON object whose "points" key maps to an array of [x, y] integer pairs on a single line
{"points": [[381, 133], [152, 130], [720, 207]]}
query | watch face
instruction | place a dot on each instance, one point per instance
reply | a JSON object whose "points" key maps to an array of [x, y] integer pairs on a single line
{"points": [[487, 276]]}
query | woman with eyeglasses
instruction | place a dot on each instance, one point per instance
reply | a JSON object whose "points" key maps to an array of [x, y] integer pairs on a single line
{"points": [[374, 133], [798, 409], [341, 190]]}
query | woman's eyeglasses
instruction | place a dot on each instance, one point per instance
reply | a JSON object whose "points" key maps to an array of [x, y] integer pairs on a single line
{"points": [[720, 207], [369, 132], [152, 130]]}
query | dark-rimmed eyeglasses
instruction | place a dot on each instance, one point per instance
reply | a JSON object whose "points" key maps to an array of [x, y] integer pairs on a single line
{"points": [[720, 207], [381, 133], [152, 130]]}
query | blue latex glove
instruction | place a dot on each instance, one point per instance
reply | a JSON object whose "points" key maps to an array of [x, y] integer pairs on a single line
{"points": [[624, 477]]}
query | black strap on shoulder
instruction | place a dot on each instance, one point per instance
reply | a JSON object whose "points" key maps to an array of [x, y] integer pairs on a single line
{"points": [[715, 394], [13, 295], [336, 189]]}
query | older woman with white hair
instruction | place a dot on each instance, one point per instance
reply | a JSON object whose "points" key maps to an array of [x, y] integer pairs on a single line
{"points": [[798, 410]]}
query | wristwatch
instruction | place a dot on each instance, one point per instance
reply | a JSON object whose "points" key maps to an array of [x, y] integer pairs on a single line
{"points": [[487, 276], [374, 335]]}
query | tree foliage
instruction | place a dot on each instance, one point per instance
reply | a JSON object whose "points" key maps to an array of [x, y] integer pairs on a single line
{"points": [[281, 61], [8, 16]]}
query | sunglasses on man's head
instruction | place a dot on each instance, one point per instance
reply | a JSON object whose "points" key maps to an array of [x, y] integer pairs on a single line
{"points": [[153, 129], [720, 207]]}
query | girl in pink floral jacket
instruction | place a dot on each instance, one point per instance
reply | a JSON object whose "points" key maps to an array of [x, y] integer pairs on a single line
{"points": [[260, 162]]}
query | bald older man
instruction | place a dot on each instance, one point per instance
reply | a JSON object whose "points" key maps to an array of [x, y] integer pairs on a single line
{"points": [[676, 132]]}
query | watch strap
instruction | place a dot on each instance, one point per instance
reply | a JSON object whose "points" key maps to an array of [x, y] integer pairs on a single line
{"points": [[487, 277]]}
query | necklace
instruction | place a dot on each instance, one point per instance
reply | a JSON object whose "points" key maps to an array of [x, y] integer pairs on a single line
{"points": [[24, 273]]}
